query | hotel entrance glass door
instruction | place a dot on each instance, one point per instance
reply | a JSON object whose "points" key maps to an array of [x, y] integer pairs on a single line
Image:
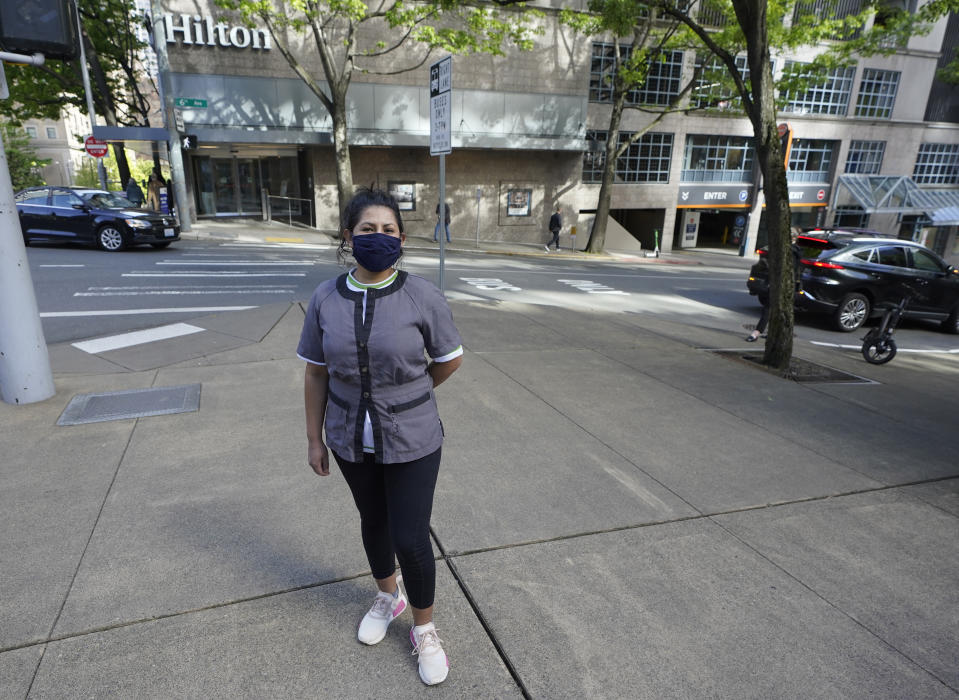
{"points": [[227, 186]]}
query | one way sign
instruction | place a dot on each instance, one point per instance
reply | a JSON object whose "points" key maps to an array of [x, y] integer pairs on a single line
{"points": [[188, 142]]}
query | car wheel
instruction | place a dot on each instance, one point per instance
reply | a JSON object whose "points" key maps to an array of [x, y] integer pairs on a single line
{"points": [[852, 312], [110, 238], [161, 245], [951, 324]]}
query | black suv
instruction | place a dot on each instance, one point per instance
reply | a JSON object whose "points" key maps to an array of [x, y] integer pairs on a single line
{"points": [[853, 274], [109, 220]]}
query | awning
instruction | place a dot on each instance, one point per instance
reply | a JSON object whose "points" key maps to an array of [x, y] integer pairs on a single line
{"points": [[899, 194]]}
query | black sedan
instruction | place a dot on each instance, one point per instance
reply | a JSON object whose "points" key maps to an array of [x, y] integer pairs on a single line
{"points": [[110, 221], [852, 276]]}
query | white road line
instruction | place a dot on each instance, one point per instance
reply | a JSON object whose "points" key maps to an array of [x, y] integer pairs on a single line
{"points": [[185, 292], [138, 312], [951, 351], [214, 274], [265, 263], [125, 340], [186, 286], [62, 266], [300, 246]]}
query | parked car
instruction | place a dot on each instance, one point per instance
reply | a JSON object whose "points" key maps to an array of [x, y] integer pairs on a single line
{"points": [[110, 221], [853, 274]]}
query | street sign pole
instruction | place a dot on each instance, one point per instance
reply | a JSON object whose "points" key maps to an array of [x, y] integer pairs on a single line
{"points": [[441, 102], [85, 73], [177, 171], [25, 374]]}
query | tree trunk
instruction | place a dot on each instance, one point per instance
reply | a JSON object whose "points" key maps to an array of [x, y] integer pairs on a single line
{"points": [[597, 237], [341, 150], [761, 108]]}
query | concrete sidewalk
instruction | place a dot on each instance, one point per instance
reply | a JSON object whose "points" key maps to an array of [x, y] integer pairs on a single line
{"points": [[621, 513]]}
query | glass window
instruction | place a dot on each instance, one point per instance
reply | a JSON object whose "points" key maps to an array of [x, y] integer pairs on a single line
{"points": [[64, 198], [921, 260], [850, 216], [866, 255], [831, 96], [893, 255], [810, 11], [937, 164], [810, 160], [51, 132], [662, 81], [647, 160], [31, 131], [865, 157], [717, 159], [32, 196], [714, 89], [877, 93]]}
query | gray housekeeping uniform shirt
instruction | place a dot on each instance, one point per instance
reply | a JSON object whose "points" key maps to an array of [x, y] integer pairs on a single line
{"points": [[372, 340]]}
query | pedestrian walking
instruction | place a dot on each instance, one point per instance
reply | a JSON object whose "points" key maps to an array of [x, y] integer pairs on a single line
{"points": [[763, 296], [370, 388], [153, 191], [134, 193], [445, 221], [555, 226]]}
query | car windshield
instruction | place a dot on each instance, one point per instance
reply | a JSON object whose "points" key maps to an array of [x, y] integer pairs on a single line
{"points": [[109, 200]]}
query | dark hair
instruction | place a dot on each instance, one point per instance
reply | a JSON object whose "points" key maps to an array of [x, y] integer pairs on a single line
{"points": [[365, 197], [368, 197]]}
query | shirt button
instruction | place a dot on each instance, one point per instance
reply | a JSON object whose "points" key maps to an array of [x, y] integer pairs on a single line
{"points": [[366, 394], [363, 370], [362, 344]]}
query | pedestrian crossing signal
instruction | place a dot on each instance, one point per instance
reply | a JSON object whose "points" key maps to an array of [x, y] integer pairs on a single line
{"points": [[39, 26], [188, 142]]}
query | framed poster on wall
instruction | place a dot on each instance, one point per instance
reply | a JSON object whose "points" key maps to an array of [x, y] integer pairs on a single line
{"points": [[404, 193], [518, 202]]}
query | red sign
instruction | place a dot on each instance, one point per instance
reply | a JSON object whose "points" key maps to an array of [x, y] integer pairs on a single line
{"points": [[95, 147], [820, 195]]}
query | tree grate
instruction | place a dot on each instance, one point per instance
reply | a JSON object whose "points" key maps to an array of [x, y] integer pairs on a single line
{"points": [[132, 403]]}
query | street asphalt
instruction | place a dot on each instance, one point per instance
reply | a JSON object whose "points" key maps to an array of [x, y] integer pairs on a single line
{"points": [[621, 513]]}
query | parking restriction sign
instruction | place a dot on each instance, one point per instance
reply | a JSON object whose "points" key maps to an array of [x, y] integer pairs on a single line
{"points": [[441, 94]]}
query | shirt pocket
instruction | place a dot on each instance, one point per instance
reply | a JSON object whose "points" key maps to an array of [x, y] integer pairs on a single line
{"points": [[415, 423], [339, 419]]}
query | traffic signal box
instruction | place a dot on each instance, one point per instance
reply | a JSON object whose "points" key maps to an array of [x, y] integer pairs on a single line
{"points": [[39, 26]]}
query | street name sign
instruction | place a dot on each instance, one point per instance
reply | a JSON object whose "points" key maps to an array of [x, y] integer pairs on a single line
{"points": [[441, 100], [194, 102]]}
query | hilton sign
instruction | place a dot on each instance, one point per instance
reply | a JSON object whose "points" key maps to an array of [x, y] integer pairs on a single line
{"points": [[197, 30]]}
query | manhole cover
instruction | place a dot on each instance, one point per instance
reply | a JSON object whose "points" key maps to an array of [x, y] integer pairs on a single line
{"points": [[799, 370], [133, 403]]}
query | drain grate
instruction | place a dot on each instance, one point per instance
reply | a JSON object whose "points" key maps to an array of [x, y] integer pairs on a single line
{"points": [[133, 403], [800, 370]]}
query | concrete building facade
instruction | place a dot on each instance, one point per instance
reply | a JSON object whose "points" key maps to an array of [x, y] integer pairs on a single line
{"points": [[527, 134]]}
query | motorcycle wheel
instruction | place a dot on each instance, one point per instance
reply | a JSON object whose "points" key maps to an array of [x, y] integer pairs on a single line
{"points": [[877, 351]]}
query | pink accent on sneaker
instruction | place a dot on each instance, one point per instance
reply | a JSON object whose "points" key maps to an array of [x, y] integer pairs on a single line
{"points": [[400, 608]]}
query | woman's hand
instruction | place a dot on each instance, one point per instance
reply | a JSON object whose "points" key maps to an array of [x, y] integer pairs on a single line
{"points": [[319, 459]]}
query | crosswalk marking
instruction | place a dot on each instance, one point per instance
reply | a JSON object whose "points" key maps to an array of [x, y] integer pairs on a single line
{"points": [[125, 340], [140, 312]]}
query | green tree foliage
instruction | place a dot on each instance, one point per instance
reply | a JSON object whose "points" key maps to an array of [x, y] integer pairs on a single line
{"points": [[347, 37], [121, 89], [25, 167]]}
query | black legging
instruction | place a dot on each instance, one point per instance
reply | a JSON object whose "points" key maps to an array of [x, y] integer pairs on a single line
{"points": [[554, 239], [395, 502], [764, 315]]}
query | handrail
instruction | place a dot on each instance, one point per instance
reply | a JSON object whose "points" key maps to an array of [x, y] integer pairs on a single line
{"points": [[268, 207]]}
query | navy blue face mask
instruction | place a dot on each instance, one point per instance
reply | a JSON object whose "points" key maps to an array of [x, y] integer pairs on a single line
{"points": [[376, 251]]}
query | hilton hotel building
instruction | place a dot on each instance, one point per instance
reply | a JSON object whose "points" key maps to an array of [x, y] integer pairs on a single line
{"points": [[874, 145]]}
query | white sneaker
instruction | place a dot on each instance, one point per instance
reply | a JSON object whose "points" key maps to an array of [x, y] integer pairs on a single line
{"points": [[385, 608], [547, 248], [428, 647]]}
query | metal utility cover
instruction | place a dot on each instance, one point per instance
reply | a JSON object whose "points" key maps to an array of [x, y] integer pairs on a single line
{"points": [[133, 403]]}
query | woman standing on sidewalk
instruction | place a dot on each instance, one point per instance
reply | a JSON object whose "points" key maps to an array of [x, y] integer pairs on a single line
{"points": [[365, 341]]}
